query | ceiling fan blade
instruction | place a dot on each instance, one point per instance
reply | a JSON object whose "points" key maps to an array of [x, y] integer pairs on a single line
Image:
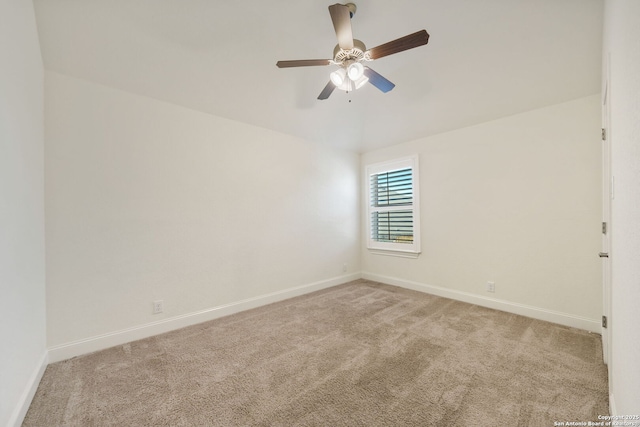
{"points": [[378, 81], [302, 63], [327, 91], [341, 18], [403, 43]]}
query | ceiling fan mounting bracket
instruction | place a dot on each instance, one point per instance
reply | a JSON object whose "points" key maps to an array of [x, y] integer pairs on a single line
{"points": [[352, 9]]}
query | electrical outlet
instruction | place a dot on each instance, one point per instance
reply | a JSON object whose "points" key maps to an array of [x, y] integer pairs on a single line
{"points": [[157, 307], [491, 287], [344, 267]]}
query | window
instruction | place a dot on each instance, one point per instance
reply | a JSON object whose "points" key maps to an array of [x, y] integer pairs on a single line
{"points": [[393, 207]]}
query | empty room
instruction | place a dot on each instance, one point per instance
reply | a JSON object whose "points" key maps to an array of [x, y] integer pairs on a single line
{"points": [[419, 213]]}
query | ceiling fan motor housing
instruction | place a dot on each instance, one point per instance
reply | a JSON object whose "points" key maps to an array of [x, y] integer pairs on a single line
{"points": [[356, 54]]}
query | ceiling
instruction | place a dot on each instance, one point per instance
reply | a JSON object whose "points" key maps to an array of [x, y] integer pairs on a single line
{"points": [[485, 60]]}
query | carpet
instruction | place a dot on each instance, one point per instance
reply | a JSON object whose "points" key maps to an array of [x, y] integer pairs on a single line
{"points": [[358, 354]]}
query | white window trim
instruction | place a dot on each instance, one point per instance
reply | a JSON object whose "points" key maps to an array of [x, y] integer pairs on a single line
{"points": [[395, 249]]}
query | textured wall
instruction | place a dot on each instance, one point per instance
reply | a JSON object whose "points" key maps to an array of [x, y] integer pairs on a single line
{"points": [[515, 201], [150, 201], [22, 268]]}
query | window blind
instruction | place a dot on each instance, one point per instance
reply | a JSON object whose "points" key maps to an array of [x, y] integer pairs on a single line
{"points": [[390, 195]]}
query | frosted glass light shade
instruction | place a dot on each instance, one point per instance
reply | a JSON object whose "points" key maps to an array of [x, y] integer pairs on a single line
{"points": [[338, 77], [361, 82], [355, 71]]}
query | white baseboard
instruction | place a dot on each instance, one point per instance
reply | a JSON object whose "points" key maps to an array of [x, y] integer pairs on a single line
{"points": [[612, 405], [89, 345], [497, 304], [22, 407]]}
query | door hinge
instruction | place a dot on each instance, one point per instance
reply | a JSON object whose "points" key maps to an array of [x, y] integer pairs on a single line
{"points": [[604, 228], [604, 134], [604, 322]]}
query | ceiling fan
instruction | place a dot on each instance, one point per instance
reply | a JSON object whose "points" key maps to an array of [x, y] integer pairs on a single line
{"points": [[349, 54]]}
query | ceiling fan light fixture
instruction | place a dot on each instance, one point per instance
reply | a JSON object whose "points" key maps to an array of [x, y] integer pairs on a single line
{"points": [[338, 77], [347, 85], [355, 71]]}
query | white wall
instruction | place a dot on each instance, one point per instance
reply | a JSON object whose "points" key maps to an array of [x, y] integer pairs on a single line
{"points": [[22, 268], [515, 201], [151, 201], [622, 46]]}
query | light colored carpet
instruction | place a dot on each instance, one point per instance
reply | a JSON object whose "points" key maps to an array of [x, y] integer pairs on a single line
{"points": [[359, 354]]}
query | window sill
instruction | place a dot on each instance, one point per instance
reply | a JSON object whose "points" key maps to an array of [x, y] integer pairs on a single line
{"points": [[388, 252]]}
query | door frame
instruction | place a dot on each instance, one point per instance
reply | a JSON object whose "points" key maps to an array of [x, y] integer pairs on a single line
{"points": [[607, 200]]}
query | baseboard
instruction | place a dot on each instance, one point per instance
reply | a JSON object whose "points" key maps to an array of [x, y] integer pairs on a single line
{"points": [[497, 304], [22, 407], [612, 405], [89, 345]]}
